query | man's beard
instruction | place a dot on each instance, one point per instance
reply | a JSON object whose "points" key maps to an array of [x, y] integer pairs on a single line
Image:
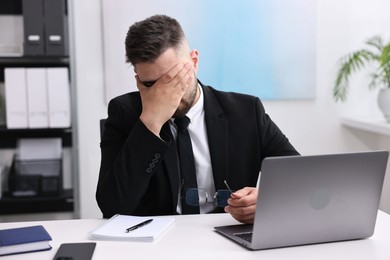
{"points": [[185, 105]]}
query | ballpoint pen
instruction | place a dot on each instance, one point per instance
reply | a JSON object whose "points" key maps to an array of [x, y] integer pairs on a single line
{"points": [[138, 225]]}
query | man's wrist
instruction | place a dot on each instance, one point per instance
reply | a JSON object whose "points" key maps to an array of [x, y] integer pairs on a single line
{"points": [[152, 125]]}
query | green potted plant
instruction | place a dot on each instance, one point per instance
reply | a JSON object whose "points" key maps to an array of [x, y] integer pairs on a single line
{"points": [[377, 53]]}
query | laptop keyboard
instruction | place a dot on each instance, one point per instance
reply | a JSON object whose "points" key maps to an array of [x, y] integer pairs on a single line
{"points": [[247, 236]]}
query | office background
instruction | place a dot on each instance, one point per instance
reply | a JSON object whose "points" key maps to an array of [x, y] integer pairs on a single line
{"points": [[313, 125], [245, 46]]}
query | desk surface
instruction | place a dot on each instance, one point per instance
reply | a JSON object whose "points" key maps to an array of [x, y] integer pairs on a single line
{"points": [[192, 237]]}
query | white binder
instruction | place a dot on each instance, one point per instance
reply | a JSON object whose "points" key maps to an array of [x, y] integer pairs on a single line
{"points": [[58, 97], [37, 98], [15, 98]]}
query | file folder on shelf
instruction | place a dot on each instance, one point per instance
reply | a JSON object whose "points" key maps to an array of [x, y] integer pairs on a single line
{"points": [[37, 167], [39, 148], [37, 98], [56, 28], [15, 98], [59, 97], [33, 21]]}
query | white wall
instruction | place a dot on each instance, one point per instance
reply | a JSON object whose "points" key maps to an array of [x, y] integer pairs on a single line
{"points": [[313, 126], [90, 104]]}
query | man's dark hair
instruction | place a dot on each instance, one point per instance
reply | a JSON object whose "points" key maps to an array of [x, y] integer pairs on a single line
{"points": [[148, 39]]}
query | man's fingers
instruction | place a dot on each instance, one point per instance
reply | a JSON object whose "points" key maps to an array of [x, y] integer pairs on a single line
{"points": [[243, 192], [175, 77], [243, 202], [181, 78], [242, 214], [244, 197], [247, 219], [242, 211], [184, 83], [172, 73]]}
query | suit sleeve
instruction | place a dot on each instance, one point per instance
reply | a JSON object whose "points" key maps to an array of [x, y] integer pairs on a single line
{"points": [[130, 154], [273, 141]]}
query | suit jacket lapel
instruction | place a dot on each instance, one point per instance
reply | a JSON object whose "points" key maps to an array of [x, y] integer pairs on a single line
{"points": [[171, 163], [217, 132]]}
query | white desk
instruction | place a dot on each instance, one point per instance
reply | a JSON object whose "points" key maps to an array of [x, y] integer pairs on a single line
{"points": [[192, 237]]}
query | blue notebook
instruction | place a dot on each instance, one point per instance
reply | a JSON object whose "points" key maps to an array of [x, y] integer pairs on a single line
{"points": [[23, 240]]}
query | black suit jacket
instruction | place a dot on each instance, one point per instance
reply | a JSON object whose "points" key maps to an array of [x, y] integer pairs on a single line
{"points": [[139, 171]]}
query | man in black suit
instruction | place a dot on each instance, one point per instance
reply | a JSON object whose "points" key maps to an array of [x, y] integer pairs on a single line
{"points": [[230, 132]]}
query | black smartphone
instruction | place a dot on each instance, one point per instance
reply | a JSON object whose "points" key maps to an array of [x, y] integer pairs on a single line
{"points": [[75, 251]]}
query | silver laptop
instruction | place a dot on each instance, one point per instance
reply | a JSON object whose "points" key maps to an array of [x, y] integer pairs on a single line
{"points": [[314, 199]]}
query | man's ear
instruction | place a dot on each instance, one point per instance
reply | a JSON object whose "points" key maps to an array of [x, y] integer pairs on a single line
{"points": [[194, 56]]}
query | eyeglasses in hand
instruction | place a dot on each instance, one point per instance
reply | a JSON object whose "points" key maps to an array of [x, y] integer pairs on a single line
{"points": [[199, 196]]}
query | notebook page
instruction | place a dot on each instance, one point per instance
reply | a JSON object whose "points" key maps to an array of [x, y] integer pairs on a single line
{"points": [[115, 228]]}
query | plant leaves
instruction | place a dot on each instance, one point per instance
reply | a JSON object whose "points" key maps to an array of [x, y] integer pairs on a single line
{"points": [[356, 60]]}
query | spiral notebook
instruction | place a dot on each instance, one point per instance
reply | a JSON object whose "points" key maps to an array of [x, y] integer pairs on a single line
{"points": [[116, 228]]}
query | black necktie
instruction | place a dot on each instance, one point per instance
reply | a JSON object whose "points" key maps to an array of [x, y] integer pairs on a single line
{"points": [[187, 163]]}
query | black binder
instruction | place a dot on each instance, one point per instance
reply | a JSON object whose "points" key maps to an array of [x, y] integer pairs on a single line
{"points": [[33, 20], [45, 28], [56, 28]]}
